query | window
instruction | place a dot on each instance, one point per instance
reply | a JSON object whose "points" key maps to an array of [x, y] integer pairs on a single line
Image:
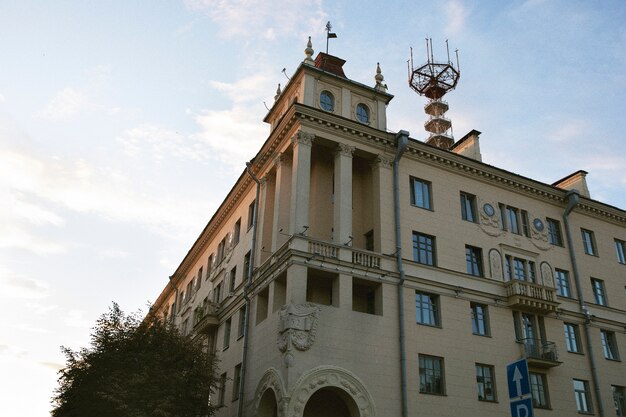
{"points": [[539, 390], [589, 242], [562, 283], [222, 390], [220, 250], [327, 101], [423, 248], [583, 400], [512, 220], [227, 325], [480, 319], [362, 113], [599, 292], [609, 345], [525, 228], [233, 277], [237, 232], [529, 328], [427, 308], [369, 240], [236, 382], [217, 293], [572, 337], [468, 207], [199, 279], [520, 269], [209, 265], [246, 266], [620, 249], [431, 375], [366, 296], [421, 193], [251, 214], [474, 260], [485, 382], [242, 322], [619, 399], [554, 232]]}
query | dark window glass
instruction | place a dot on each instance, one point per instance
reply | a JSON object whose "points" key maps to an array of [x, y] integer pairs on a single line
{"points": [[468, 207], [431, 374], [421, 193], [474, 260]]}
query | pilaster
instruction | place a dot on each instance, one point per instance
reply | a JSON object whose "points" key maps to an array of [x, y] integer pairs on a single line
{"points": [[383, 215]]}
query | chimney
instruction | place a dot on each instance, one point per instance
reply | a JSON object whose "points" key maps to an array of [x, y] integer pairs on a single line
{"points": [[575, 181]]}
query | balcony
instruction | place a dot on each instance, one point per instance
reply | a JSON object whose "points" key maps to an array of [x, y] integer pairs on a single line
{"points": [[531, 297], [205, 318], [539, 353]]}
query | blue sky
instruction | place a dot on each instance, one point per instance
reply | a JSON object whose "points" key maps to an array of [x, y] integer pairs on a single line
{"points": [[124, 124]]}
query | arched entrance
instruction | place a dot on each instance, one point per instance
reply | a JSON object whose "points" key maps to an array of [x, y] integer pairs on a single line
{"points": [[268, 406], [331, 402]]}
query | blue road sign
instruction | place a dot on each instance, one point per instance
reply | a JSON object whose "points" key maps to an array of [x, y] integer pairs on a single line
{"points": [[517, 377], [522, 408]]}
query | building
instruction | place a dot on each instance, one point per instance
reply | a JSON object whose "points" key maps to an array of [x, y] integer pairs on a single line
{"points": [[369, 274]]}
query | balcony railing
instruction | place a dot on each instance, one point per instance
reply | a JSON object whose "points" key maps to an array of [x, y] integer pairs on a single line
{"points": [[324, 249], [540, 353], [205, 317], [530, 296]]}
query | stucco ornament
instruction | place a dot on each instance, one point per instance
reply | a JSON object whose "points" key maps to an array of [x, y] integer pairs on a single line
{"points": [[488, 218], [495, 262], [297, 328]]}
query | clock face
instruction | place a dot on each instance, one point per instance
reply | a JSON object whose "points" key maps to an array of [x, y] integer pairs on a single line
{"points": [[489, 210], [538, 224], [327, 101], [362, 113]]}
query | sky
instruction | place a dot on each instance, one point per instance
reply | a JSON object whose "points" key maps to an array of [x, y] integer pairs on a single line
{"points": [[123, 125]]}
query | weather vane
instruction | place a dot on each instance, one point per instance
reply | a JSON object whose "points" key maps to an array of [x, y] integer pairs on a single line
{"points": [[329, 34]]}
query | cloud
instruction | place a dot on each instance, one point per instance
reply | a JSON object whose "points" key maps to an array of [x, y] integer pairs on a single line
{"points": [[456, 14], [76, 318], [66, 104], [570, 131], [2, 99], [114, 253], [248, 89], [271, 19], [15, 286]]}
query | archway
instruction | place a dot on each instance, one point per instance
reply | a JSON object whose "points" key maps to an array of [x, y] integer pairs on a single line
{"points": [[268, 406], [331, 402]]}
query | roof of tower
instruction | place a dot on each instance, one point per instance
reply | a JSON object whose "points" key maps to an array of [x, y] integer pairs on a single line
{"points": [[330, 63]]}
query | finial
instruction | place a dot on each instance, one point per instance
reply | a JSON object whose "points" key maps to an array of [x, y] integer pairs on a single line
{"points": [[309, 53], [278, 93], [379, 79]]}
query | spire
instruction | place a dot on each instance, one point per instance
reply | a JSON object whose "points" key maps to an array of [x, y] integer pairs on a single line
{"points": [[379, 79], [309, 53], [278, 93]]}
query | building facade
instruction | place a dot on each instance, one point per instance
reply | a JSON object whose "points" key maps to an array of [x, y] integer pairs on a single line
{"points": [[356, 272]]}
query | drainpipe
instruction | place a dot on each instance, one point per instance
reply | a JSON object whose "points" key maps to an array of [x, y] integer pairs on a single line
{"points": [[572, 199], [402, 141], [246, 294]]}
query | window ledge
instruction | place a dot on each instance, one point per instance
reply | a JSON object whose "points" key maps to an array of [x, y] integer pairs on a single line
{"points": [[434, 393]]}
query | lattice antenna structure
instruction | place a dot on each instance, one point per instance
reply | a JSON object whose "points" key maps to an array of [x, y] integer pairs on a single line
{"points": [[433, 80]]}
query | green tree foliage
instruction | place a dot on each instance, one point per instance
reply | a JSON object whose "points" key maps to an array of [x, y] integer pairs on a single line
{"points": [[135, 368]]}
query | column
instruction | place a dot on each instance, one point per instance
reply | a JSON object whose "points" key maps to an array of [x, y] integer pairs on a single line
{"points": [[261, 222], [280, 162], [342, 210], [300, 182], [296, 284], [383, 215]]}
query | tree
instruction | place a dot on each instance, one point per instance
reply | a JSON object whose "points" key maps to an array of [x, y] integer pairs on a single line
{"points": [[135, 368]]}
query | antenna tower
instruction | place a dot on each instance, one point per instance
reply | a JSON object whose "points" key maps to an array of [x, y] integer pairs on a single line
{"points": [[434, 80]]}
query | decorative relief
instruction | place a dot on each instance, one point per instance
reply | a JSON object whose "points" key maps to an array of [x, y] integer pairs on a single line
{"points": [[345, 150], [546, 275], [297, 328], [495, 264], [489, 224], [382, 162], [271, 380], [279, 159], [303, 138], [539, 235], [330, 376]]}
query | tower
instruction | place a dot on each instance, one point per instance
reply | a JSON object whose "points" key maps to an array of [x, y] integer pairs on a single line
{"points": [[434, 80]]}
